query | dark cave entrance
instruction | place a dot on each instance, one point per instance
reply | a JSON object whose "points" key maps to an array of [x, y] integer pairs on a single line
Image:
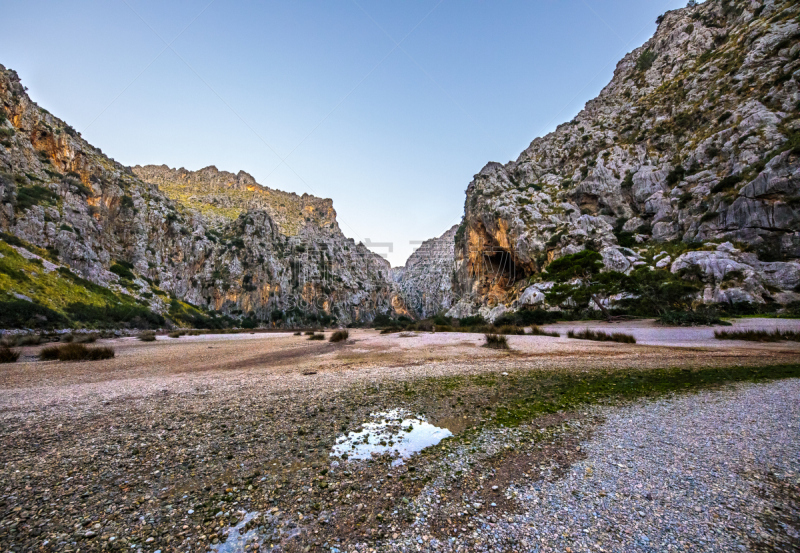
{"points": [[497, 268]]}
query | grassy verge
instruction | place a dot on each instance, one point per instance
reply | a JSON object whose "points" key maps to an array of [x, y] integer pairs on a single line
{"points": [[518, 398]]}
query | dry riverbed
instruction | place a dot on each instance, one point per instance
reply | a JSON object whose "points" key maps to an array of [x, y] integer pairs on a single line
{"points": [[174, 442]]}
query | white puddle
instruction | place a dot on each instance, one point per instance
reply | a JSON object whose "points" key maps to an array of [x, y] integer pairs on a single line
{"points": [[237, 542], [395, 432]]}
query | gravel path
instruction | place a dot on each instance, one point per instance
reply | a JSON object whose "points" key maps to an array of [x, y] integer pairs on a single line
{"points": [[698, 472]]}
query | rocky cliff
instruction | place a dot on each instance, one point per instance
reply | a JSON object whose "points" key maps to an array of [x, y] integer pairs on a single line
{"points": [[425, 282], [167, 240], [689, 157]]}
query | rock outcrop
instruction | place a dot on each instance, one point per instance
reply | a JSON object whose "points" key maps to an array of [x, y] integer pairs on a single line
{"points": [[425, 282], [695, 140], [214, 239]]}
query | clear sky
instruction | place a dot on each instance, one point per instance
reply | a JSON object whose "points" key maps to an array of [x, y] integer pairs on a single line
{"points": [[389, 108]]}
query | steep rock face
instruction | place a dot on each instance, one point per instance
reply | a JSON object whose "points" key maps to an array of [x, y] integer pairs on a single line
{"points": [[425, 282], [217, 240], [695, 139]]}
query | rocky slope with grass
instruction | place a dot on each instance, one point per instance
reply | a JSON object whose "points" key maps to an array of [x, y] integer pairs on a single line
{"points": [[89, 241], [425, 281], [688, 161]]}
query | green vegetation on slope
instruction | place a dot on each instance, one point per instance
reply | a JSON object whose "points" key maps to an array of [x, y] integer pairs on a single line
{"points": [[59, 298]]}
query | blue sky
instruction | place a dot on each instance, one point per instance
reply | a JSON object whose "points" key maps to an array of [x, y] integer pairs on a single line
{"points": [[389, 108]]}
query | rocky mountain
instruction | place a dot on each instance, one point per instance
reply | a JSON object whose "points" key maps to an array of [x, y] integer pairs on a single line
{"points": [[84, 236], [425, 282], [689, 159]]}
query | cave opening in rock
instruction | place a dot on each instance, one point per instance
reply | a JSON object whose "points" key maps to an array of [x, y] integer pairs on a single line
{"points": [[496, 268]]}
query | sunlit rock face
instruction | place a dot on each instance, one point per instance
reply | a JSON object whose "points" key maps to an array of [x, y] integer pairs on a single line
{"points": [[695, 140], [215, 239]]}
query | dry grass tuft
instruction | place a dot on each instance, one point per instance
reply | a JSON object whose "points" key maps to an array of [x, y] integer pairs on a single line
{"points": [[537, 331], [8, 355], [496, 341], [758, 335], [147, 336], [600, 336], [319, 336], [339, 336], [75, 352], [511, 330]]}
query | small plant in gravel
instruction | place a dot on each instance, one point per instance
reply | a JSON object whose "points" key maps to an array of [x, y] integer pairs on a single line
{"points": [[537, 331], [310, 332], [177, 333], [75, 352], [758, 335], [319, 336], [339, 336], [8, 355], [600, 336], [496, 341], [148, 336], [298, 333]]}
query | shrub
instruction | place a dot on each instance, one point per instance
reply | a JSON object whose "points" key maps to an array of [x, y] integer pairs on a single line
{"points": [[67, 338], [50, 353], [645, 60], [690, 318], [510, 330], [8, 355], [148, 336], [29, 340], [339, 336], [600, 336], [728, 182], [122, 270], [31, 195], [496, 341], [177, 333], [317, 337], [676, 175], [471, 321], [537, 331], [758, 335], [75, 352], [112, 315], [310, 332], [298, 333], [24, 314]]}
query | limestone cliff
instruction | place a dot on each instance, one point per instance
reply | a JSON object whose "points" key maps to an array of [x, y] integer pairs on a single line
{"points": [[214, 239], [425, 282], [695, 142]]}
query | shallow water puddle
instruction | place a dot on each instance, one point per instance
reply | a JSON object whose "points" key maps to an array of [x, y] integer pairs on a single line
{"points": [[395, 432], [238, 542]]}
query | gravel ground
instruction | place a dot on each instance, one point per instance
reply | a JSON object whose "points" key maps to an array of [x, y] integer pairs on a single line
{"points": [[169, 444], [709, 471]]}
